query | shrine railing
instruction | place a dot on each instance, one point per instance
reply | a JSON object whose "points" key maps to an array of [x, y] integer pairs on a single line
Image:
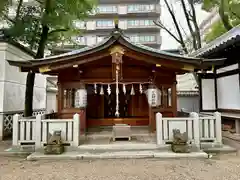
{"points": [[36, 130], [200, 130]]}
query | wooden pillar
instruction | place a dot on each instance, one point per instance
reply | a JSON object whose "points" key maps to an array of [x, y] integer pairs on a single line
{"points": [[60, 99], [174, 98], [83, 118]]}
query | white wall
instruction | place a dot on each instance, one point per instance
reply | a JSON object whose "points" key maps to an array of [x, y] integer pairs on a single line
{"points": [[208, 94], [51, 101], [228, 92], [13, 82]]}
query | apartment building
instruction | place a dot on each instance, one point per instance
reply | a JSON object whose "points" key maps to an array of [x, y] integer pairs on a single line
{"points": [[135, 18]]}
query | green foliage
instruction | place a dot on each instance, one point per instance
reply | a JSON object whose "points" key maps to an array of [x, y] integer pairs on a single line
{"points": [[27, 26], [229, 11]]}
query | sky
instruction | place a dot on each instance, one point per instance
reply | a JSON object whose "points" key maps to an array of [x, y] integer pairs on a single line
{"points": [[167, 41]]}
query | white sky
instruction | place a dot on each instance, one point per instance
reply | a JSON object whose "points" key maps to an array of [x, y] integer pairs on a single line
{"points": [[167, 41]]}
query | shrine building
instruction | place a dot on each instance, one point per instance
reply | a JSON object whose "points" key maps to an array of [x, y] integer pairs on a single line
{"points": [[116, 81]]}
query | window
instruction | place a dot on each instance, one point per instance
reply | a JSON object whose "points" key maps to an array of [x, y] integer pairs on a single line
{"points": [[142, 38], [107, 9], [105, 23], [146, 22], [80, 24], [140, 7]]}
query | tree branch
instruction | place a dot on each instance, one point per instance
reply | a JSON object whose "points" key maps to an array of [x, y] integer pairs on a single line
{"points": [[176, 26], [18, 10], [194, 20], [189, 24], [166, 29], [57, 30], [8, 18], [235, 14], [224, 16]]}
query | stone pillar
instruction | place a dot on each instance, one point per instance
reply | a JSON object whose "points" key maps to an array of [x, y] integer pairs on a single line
{"points": [[82, 105], [38, 132], [1, 126], [76, 129], [237, 126], [15, 130], [196, 129], [218, 128], [159, 129]]}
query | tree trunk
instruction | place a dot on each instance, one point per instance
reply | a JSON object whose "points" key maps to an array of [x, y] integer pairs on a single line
{"points": [[195, 23], [182, 42], [189, 25], [224, 16], [31, 75], [40, 54]]}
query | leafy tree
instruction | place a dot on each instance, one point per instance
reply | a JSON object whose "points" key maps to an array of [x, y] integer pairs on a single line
{"points": [[229, 12], [189, 11], [41, 22]]}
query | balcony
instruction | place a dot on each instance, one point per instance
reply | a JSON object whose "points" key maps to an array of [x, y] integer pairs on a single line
{"points": [[130, 10]]}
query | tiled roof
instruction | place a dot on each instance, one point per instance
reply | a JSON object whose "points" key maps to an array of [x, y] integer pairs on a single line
{"points": [[233, 34]]}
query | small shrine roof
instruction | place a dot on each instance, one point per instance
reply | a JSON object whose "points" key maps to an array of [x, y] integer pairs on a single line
{"points": [[117, 37]]}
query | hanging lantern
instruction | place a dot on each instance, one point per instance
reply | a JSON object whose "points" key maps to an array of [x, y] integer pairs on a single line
{"points": [[101, 90], [152, 95], [80, 98], [132, 91]]}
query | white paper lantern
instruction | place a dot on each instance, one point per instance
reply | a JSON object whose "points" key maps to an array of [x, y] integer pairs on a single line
{"points": [[81, 98], [153, 96]]}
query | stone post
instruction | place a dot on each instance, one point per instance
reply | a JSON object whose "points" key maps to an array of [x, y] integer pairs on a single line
{"points": [[196, 129], [38, 132], [218, 123], [76, 129], [1, 126], [159, 129], [15, 130], [237, 125]]}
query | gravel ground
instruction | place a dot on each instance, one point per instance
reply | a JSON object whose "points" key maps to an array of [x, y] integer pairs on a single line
{"points": [[223, 168]]}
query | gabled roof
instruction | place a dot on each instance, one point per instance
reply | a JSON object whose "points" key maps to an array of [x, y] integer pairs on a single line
{"points": [[116, 37], [229, 38]]}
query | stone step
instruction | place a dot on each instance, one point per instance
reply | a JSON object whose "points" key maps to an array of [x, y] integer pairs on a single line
{"points": [[124, 146], [117, 155]]}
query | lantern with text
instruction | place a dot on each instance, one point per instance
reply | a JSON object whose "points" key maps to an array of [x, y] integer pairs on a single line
{"points": [[153, 96], [81, 98]]}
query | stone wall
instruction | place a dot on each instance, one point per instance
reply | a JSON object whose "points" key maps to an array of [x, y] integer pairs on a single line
{"points": [[13, 84]]}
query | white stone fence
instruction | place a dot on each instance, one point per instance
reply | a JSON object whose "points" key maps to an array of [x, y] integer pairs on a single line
{"points": [[36, 130], [200, 130]]}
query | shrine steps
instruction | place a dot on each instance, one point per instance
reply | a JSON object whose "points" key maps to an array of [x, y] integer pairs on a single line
{"points": [[136, 154], [124, 146]]}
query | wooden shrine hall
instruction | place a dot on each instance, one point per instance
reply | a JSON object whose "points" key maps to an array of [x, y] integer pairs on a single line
{"points": [[116, 81]]}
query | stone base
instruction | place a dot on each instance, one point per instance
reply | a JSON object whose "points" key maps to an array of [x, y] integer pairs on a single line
{"points": [[74, 155], [180, 148], [54, 149]]}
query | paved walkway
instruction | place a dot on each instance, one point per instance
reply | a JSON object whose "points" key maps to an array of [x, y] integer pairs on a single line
{"points": [[222, 168]]}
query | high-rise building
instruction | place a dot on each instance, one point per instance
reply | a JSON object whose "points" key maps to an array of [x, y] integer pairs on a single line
{"points": [[135, 19]]}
